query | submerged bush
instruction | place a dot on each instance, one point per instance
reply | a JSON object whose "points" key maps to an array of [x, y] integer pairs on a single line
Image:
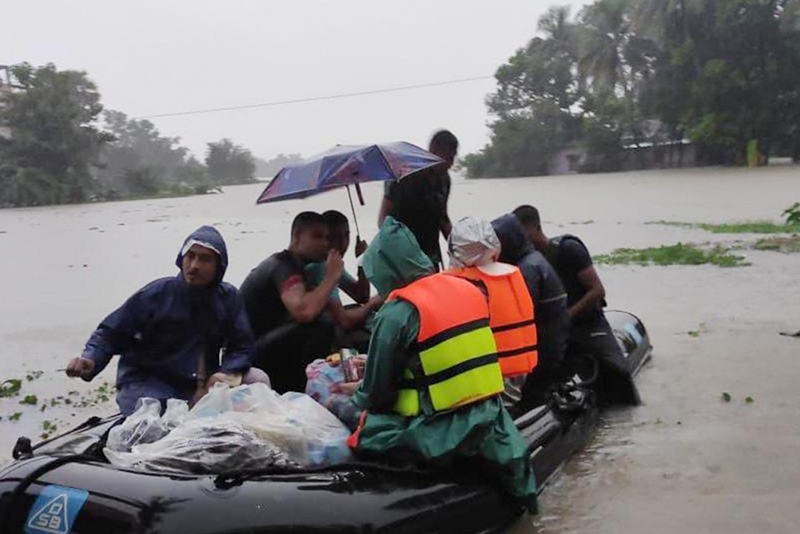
{"points": [[680, 254]]}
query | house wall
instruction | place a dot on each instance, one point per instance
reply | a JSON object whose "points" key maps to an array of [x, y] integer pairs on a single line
{"points": [[672, 156], [562, 162]]}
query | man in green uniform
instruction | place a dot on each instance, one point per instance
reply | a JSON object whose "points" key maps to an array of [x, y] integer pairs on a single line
{"points": [[481, 429]]}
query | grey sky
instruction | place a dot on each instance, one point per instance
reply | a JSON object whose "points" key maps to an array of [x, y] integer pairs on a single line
{"points": [[160, 56]]}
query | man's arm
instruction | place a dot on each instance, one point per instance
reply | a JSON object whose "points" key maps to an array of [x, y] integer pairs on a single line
{"points": [[595, 292], [395, 330], [358, 290], [349, 318], [112, 336], [304, 306]]}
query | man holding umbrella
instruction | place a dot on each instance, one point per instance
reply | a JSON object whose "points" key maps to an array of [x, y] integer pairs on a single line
{"points": [[420, 200]]}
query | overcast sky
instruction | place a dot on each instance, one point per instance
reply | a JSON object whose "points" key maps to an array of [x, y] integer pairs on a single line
{"points": [[161, 56]]}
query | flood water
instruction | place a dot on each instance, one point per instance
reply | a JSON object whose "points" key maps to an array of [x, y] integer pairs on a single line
{"points": [[685, 461]]}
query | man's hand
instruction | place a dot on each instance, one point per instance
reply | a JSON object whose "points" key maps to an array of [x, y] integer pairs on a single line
{"points": [[345, 388], [80, 367], [230, 380], [361, 247], [334, 264]]}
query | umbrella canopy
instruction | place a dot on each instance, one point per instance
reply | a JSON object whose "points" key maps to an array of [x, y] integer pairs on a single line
{"points": [[348, 165]]}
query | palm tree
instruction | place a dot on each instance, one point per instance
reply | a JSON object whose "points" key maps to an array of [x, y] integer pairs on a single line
{"points": [[604, 35]]}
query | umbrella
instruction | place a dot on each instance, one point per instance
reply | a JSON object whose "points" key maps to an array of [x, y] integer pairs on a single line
{"points": [[343, 166]]}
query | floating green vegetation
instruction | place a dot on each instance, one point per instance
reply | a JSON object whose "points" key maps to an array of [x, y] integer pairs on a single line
{"points": [[30, 400], [726, 396], [49, 428], [744, 227], [15, 416], [33, 375], [787, 245], [10, 388], [680, 254], [702, 329]]}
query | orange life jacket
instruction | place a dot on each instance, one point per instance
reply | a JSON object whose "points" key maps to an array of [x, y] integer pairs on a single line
{"points": [[512, 318], [455, 355]]}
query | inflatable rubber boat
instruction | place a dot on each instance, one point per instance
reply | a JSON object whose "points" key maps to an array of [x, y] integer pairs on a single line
{"points": [[65, 485]]}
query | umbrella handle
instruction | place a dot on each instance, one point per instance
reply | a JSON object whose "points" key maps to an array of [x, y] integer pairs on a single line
{"points": [[353, 209], [360, 194]]}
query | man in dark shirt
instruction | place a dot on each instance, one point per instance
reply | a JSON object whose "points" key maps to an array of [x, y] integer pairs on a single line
{"points": [[285, 312], [420, 200], [550, 306], [589, 329]]}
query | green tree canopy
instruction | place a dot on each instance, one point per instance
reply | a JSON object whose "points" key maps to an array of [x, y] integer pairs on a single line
{"points": [[229, 164], [719, 73], [53, 141]]}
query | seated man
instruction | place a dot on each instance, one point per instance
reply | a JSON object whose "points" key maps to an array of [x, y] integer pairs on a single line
{"points": [[549, 300], [339, 240], [455, 412], [169, 333], [474, 248], [353, 320], [286, 309], [589, 330]]}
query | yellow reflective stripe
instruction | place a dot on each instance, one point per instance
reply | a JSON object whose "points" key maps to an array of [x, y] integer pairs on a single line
{"points": [[468, 387], [455, 350], [407, 403]]}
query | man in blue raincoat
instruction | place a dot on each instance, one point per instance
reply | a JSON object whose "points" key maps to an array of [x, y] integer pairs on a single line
{"points": [[481, 429], [169, 333]]}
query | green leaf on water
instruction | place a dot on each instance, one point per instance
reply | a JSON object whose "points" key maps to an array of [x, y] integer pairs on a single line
{"points": [[15, 416], [749, 400], [693, 333], [10, 388], [726, 396], [30, 400]]}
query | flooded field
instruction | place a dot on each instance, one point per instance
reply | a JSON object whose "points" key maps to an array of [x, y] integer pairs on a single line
{"points": [[686, 461]]}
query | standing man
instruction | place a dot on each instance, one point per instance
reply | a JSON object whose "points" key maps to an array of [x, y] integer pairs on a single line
{"points": [[420, 200], [169, 333], [589, 330]]}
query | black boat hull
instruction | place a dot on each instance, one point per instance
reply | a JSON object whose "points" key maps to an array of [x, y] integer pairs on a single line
{"points": [[349, 498]]}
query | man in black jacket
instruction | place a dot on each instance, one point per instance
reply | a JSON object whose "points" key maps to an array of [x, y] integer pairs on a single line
{"points": [[589, 332]]}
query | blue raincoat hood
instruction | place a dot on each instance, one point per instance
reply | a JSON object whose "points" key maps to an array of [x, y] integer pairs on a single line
{"points": [[514, 243], [209, 237]]}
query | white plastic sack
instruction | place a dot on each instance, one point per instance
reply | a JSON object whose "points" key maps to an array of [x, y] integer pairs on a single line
{"points": [[238, 429], [143, 426], [472, 243], [211, 445], [175, 414]]}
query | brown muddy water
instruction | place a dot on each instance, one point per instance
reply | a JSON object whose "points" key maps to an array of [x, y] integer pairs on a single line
{"points": [[685, 461]]}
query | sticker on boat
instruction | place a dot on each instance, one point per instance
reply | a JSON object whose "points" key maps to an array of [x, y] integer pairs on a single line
{"points": [[55, 510]]}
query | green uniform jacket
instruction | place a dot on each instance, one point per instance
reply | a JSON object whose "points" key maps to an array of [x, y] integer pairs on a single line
{"points": [[483, 429]]}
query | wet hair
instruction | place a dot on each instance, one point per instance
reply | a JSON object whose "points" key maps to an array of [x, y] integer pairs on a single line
{"points": [[528, 215], [305, 220], [444, 139], [335, 219]]}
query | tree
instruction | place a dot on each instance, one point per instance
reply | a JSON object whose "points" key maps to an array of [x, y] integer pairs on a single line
{"points": [[269, 168], [229, 164], [53, 142], [139, 155], [722, 73]]}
